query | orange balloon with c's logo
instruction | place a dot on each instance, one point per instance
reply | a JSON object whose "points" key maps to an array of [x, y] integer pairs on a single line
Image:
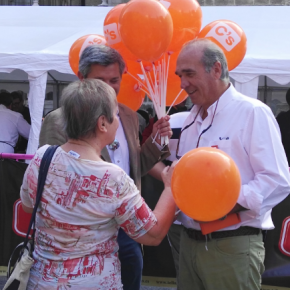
{"points": [[230, 37], [78, 47], [146, 28], [187, 19], [130, 93], [112, 35], [206, 184]]}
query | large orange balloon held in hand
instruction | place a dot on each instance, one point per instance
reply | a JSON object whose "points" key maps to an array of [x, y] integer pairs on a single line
{"points": [[78, 47], [206, 184], [130, 93], [112, 35], [146, 28], [230, 37], [187, 19]]}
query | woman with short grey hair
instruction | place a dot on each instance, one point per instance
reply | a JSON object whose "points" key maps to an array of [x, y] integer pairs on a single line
{"points": [[93, 97], [85, 199]]}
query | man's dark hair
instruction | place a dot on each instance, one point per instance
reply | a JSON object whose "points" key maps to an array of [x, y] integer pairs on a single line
{"points": [[17, 95], [5, 99], [101, 55], [288, 97]]}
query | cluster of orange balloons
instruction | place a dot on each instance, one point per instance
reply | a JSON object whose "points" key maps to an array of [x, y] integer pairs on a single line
{"points": [[149, 30], [206, 184]]}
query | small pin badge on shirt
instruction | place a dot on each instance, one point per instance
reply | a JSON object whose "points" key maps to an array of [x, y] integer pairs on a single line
{"points": [[224, 138]]}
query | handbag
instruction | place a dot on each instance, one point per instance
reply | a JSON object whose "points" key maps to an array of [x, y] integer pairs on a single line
{"points": [[19, 275]]}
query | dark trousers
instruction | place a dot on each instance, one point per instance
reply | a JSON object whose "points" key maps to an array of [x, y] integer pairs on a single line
{"points": [[130, 255]]}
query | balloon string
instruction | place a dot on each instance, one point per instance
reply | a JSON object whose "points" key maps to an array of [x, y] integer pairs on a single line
{"points": [[157, 85], [150, 79], [148, 83], [155, 136], [154, 97], [140, 83], [145, 92], [174, 101]]}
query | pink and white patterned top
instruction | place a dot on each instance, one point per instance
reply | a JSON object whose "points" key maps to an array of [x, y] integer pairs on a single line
{"points": [[83, 204]]}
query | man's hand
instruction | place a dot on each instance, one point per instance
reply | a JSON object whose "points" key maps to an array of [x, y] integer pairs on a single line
{"points": [[162, 126], [167, 174]]}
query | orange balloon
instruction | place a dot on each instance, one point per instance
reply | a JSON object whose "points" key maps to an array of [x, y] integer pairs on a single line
{"points": [[112, 35], [134, 67], [206, 184], [187, 19], [230, 37], [146, 28], [130, 93], [78, 47]]}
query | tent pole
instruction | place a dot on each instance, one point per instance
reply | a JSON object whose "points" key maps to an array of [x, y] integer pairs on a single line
{"points": [[265, 90]]}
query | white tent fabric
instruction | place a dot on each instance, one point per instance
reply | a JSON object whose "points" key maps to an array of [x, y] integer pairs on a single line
{"points": [[38, 39], [248, 88]]}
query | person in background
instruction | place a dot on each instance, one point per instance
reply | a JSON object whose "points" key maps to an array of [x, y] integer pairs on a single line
{"points": [[18, 106], [283, 120], [86, 200], [245, 129], [143, 117], [12, 124], [105, 63]]}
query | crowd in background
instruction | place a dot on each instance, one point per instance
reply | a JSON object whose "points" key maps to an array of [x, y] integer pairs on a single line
{"points": [[15, 122]]}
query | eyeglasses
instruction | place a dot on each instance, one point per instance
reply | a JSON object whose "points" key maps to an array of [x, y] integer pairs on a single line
{"points": [[203, 131]]}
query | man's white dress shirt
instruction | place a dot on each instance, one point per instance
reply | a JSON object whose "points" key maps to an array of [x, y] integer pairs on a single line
{"points": [[12, 124], [245, 129]]}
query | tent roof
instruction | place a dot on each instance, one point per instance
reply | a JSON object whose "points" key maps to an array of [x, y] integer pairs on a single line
{"points": [[38, 39]]}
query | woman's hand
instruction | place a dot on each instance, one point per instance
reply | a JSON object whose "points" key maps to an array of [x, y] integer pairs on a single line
{"points": [[167, 174]]}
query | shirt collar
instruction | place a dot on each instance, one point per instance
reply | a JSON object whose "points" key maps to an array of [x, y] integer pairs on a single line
{"points": [[224, 100]]}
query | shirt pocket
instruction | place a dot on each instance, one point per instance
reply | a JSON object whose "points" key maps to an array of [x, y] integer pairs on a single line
{"points": [[224, 145]]}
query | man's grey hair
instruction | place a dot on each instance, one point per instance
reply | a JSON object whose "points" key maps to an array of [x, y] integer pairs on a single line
{"points": [[83, 103], [211, 54], [101, 55]]}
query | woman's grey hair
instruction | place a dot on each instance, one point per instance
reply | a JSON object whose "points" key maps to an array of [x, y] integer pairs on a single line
{"points": [[102, 55], [83, 103], [211, 54]]}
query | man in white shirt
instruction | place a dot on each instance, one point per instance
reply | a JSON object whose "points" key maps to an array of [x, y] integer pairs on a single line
{"points": [[12, 125], [246, 129]]}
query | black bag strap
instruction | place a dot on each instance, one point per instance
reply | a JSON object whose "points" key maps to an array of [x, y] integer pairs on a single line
{"points": [[44, 165]]}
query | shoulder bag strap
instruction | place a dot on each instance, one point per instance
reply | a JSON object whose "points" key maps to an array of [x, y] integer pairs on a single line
{"points": [[44, 165]]}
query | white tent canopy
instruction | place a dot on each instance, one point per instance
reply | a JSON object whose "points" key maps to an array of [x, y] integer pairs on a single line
{"points": [[37, 40]]}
